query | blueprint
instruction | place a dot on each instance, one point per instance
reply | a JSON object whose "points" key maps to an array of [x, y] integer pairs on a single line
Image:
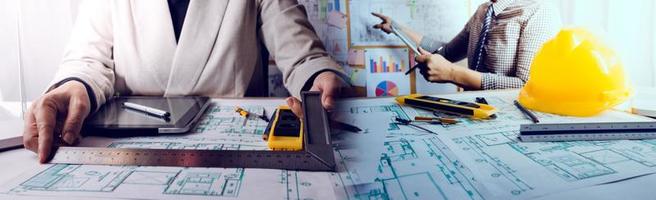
{"points": [[482, 159], [407, 164], [474, 159], [512, 169], [220, 129]]}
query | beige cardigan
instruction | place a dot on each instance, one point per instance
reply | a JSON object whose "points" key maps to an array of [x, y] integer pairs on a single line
{"points": [[129, 48]]}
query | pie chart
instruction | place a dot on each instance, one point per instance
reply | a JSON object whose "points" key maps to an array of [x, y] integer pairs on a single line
{"points": [[387, 88]]}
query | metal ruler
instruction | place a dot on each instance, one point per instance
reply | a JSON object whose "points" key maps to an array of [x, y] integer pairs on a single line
{"points": [[317, 153], [587, 131]]}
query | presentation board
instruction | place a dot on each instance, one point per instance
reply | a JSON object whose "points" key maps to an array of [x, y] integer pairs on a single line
{"points": [[346, 29]]}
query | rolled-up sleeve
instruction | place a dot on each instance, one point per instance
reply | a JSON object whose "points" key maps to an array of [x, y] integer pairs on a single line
{"points": [[293, 44]]}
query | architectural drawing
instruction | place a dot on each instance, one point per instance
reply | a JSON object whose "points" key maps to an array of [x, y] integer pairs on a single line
{"points": [[522, 170], [470, 160], [85, 178], [411, 168], [225, 121], [221, 129]]}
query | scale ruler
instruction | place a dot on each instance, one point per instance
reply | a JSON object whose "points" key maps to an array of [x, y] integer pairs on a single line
{"points": [[189, 158], [587, 131], [317, 153]]}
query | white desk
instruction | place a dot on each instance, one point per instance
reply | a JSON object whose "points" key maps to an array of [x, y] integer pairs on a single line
{"points": [[11, 125], [17, 161]]}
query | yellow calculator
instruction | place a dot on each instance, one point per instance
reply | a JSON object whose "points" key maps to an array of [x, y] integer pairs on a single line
{"points": [[285, 131]]}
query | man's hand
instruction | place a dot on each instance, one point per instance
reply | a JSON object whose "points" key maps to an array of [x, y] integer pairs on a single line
{"points": [[58, 113], [330, 85], [439, 69], [386, 25]]}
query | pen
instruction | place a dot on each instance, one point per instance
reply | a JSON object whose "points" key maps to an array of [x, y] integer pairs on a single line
{"points": [[417, 65], [344, 126], [147, 110], [527, 113]]}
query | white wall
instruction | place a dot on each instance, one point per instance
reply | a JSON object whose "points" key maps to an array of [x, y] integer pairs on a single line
{"points": [[8, 48], [628, 26], [45, 29]]}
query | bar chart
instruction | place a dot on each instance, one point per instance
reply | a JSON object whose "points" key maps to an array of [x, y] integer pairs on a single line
{"points": [[389, 64], [386, 71]]}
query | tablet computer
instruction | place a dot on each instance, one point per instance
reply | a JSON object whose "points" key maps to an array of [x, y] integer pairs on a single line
{"points": [[115, 119]]}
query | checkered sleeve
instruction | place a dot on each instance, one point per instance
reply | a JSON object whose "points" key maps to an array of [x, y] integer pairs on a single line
{"points": [[490, 81], [535, 31]]}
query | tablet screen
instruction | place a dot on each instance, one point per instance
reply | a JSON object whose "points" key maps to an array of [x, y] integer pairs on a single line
{"points": [[113, 115]]}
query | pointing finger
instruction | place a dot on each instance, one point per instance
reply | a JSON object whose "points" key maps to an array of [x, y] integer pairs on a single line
{"points": [[381, 16], [45, 122]]}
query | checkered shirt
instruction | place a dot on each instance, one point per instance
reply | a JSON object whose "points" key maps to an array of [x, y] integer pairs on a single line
{"points": [[519, 29]]}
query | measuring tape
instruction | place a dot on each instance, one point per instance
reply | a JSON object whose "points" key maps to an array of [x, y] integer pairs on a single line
{"points": [[473, 110], [587, 131], [316, 155]]}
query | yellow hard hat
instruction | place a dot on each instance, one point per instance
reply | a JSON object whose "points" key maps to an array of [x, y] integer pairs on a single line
{"points": [[575, 74]]}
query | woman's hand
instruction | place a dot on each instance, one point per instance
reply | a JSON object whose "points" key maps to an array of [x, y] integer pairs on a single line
{"points": [[438, 69], [386, 25]]}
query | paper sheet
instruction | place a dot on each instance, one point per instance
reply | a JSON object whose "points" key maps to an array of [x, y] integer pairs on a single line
{"points": [[413, 164], [512, 169], [220, 128], [440, 20], [337, 19], [386, 72], [470, 160], [328, 19], [482, 160], [356, 57], [357, 76]]}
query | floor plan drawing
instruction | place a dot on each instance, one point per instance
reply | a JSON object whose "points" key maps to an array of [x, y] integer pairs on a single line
{"points": [[221, 129], [521, 170], [221, 119], [187, 181], [412, 167], [204, 183], [391, 109], [474, 159]]}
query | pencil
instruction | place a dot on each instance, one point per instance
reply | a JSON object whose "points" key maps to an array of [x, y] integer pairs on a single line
{"points": [[527, 112]]}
